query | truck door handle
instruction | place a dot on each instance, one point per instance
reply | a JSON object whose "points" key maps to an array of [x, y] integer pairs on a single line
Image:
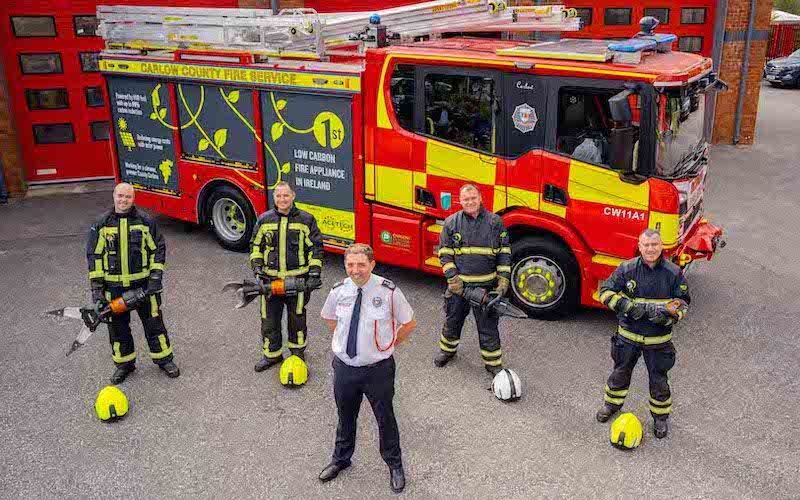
{"points": [[555, 194], [424, 197]]}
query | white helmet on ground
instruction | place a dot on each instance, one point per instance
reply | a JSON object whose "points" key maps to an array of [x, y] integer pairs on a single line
{"points": [[506, 385]]}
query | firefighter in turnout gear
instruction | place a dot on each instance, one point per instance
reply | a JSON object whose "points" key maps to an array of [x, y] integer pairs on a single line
{"points": [[649, 295], [286, 243], [474, 251], [126, 251]]}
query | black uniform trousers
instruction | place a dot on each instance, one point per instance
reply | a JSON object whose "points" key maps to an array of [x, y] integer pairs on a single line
{"points": [[123, 351], [659, 359], [271, 314], [350, 384], [456, 309]]}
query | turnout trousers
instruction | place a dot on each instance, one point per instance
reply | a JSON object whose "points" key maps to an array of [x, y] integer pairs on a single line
{"points": [[456, 309], [350, 384], [659, 360], [123, 351], [271, 314]]}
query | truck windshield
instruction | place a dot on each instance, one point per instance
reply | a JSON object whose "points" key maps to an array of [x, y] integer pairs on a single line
{"points": [[681, 133]]}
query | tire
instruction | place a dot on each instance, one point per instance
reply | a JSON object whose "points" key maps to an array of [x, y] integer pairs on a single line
{"points": [[545, 278], [230, 217]]}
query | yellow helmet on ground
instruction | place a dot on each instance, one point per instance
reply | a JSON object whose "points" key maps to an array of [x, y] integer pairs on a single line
{"points": [[626, 431], [110, 404], [294, 371]]}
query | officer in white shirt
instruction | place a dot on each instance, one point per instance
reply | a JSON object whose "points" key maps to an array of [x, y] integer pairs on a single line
{"points": [[368, 316]]}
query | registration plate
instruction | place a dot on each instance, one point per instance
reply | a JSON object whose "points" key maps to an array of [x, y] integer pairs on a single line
{"points": [[772, 78]]}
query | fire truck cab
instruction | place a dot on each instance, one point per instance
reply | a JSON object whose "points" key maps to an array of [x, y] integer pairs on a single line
{"points": [[579, 145]]}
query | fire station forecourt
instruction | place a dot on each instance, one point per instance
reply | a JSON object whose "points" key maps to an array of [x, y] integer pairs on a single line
{"points": [[222, 431]]}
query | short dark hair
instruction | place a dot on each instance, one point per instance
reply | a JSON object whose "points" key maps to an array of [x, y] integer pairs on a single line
{"points": [[649, 233], [360, 248]]}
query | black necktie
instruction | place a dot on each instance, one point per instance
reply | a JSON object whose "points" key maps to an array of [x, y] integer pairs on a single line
{"points": [[352, 335]]}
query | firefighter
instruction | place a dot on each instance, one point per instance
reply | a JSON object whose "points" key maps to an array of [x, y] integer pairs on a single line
{"points": [[126, 251], [474, 252], [649, 295], [286, 243]]}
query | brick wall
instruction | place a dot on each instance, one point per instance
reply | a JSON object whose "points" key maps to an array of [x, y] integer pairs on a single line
{"points": [[9, 147], [730, 70]]}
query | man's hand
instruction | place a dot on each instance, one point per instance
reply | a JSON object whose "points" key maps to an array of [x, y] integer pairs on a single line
{"points": [[455, 285], [502, 286], [676, 308], [314, 282]]}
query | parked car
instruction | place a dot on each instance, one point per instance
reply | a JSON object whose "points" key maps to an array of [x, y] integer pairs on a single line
{"points": [[784, 71]]}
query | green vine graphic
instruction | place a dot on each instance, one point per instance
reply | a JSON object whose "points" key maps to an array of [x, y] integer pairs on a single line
{"points": [[327, 128]]}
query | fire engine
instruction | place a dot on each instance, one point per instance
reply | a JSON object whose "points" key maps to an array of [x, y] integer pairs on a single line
{"points": [[378, 120]]}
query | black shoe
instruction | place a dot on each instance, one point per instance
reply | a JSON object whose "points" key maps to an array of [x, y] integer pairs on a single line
{"points": [[494, 370], [397, 479], [300, 354], [121, 373], [331, 471], [660, 427], [265, 363], [604, 413], [442, 358], [171, 369]]}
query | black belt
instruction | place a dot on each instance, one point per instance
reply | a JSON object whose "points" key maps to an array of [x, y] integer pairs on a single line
{"points": [[373, 365]]}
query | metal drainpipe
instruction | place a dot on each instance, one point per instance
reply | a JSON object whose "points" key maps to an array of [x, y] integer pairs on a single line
{"points": [[737, 121], [274, 6], [719, 32]]}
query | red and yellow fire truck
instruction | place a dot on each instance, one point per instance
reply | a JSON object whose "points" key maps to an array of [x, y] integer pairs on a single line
{"points": [[579, 145]]}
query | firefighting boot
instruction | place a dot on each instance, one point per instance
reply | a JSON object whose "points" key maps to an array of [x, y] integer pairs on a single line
{"points": [[121, 373], [443, 358], [494, 370], [171, 369], [660, 427], [265, 363], [604, 413]]}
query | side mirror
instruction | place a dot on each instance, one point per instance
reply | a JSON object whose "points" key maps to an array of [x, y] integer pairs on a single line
{"points": [[621, 144], [620, 107]]}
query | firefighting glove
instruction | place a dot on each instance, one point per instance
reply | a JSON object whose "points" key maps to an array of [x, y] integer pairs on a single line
{"points": [[634, 310], [154, 282], [314, 281], [455, 285], [502, 286], [258, 271]]}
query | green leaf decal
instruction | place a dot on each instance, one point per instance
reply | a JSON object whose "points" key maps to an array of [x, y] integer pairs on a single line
{"points": [[280, 104], [203, 145], [285, 168], [221, 137], [155, 97], [153, 115], [277, 131], [162, 113], [233, 96]]}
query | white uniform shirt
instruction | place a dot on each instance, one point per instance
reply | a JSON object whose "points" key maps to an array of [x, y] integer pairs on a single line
{"points": [[375, 323]]}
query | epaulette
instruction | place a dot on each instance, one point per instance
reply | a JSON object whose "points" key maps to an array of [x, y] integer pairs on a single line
{"points": [[389, 284], [337, 285]]}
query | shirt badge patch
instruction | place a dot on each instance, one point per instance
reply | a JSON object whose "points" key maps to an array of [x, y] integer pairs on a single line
{"points": [[630, 285], [377, 302]]}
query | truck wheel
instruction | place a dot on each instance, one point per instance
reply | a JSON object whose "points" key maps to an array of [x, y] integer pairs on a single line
{"points": [[544, 277], [231, 218]]}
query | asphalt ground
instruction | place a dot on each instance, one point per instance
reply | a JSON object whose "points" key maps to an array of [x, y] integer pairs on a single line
{"points": [[223, 431]]}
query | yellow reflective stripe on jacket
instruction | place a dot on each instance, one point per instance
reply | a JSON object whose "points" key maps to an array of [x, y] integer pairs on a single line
{"points": [[299, 226], [301, 258], [503, 269], [282, 244], [652, 301], [98, 271], [315, 262], [283, 274], [126, 279], [505, 250], [477, 278], [448, 267], [123, 252], [641, 339], [446, 251], [607, 295], [475, 251], [155, 266]]}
